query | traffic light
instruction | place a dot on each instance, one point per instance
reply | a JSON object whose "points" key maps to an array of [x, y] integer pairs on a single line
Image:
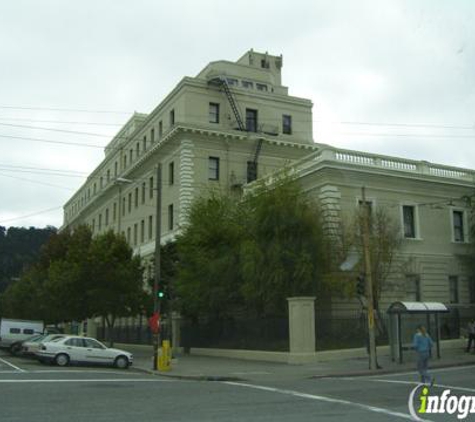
{"points": [[160, 293], [360, 285]]}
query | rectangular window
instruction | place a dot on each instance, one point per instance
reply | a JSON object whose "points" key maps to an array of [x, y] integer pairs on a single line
{"points": [[171, 173], [115, 169], [144, 143], [453, 289], [137, 150], [287, 124], [136, 197], [114, 211], [408, 216], [231, 81], [247, 84], [251, 171], [131, 155], [213, 168], [125, 161], [213, 112], [108, 177], [93, 228], [142, 231], [471, 289], [143, 192], [123, 206], [251, 120], [28, 331], [261, 87], [459, 234], [172, 117], [170, 217], [15, 331], [152, 135], [150, 227], [160, 129], [107, 217], [128, 235], [135, 234], [130, 202], [413, 288], [150, 188], [100, 222]]}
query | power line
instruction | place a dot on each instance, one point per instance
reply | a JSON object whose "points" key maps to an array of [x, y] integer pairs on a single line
{"points": [[50, 141], [36, 182], [31, 215], [56, 130], [75, 110], [61, 121]]}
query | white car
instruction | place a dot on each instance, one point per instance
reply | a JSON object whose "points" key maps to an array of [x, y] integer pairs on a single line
{"points": [[31, 346], [69, 349]]}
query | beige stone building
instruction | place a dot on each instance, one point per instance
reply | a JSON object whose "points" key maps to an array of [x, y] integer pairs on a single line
{"points": [[233, 122], [430, 203]]}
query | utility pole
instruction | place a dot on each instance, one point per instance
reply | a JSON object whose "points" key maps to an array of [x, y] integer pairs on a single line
{"points": [[369, 283], [156, 281]]}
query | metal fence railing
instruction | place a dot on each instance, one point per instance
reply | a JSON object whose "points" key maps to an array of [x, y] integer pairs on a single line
{"points": [[270, 334]]}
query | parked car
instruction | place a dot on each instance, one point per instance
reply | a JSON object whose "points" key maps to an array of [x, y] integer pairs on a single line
{"points": [[17, 346], [32, 345], [14, 330], [76, 349]]}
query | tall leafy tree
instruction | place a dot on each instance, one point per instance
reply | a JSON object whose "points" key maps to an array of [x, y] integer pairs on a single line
{"points": [[283, 253], [209, 278], [115, 287]]}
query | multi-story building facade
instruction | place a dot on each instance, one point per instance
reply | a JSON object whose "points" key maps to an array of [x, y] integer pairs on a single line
{"points": [[430, 203], [231, 123], [234, 122]]}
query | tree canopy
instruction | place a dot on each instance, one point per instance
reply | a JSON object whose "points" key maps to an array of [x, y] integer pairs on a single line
{"points": [[250, 254], [77, 277]]}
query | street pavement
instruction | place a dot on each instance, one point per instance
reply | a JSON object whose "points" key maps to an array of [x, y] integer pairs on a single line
{"points": [[242, 391]]}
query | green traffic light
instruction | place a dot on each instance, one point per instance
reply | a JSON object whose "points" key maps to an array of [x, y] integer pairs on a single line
{"points": [[161, 294]]}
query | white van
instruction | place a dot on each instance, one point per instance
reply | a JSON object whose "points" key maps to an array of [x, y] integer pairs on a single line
{"points": [[12, 330]]}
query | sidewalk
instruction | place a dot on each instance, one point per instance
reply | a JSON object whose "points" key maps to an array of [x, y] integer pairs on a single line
{"points": [[224, 369]]}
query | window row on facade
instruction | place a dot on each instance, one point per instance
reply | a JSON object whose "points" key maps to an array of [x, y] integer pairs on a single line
{"points": [[252, 122], [413, 289], [124, 158]]}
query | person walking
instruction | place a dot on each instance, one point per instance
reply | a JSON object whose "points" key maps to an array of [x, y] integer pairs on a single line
{"points": [[471, 335], [422, 344]]}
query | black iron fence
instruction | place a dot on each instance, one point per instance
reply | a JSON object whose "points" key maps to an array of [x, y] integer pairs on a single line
{"points": [[269, 334]]}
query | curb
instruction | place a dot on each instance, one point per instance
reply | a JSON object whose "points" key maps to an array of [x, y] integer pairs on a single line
{"points": [[388, 371], [190, 377]]}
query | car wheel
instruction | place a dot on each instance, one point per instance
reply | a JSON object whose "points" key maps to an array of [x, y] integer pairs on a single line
{"points": [[15, 349], [121, 362], [62, 359]]}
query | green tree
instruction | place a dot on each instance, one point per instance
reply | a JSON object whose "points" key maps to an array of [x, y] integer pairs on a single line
{"points": [[209, 278], [115, 287], [284, 252], [252, 253]]}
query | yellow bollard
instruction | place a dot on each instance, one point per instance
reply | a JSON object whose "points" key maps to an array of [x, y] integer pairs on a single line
{"points": [[165, 356]]}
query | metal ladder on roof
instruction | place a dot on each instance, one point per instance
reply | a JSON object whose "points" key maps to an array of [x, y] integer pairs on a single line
{"points": [[221, 82]]}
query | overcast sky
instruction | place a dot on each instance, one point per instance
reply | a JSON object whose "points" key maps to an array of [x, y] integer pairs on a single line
{"points": [[391, 77]]}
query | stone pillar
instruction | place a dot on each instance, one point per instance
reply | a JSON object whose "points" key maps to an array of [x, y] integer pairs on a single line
{"points": [[176, 333], [301, 330], [91, 328]]}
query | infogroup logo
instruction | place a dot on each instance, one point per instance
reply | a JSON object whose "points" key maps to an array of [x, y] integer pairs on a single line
{"points": [[421, 403]]}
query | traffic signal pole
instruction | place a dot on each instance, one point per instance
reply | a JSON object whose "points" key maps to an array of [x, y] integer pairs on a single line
{"points": [[369, 283], [156, 281]]}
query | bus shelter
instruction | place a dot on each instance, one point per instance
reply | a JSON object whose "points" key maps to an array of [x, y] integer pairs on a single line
{"points": [[404, 317]]}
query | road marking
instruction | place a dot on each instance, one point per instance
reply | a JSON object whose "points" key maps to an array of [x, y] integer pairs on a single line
{"points": [[325, 399], [252, 373], [14, 381], [451, 387], [11, 365]]}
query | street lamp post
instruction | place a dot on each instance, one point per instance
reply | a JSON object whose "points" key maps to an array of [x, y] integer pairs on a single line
{"points": [[156, 281]]}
